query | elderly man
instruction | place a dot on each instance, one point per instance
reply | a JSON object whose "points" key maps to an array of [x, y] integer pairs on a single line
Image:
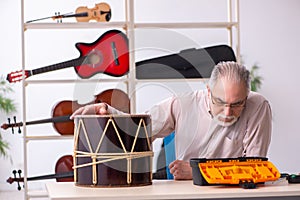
{"points": [[224, 120]]}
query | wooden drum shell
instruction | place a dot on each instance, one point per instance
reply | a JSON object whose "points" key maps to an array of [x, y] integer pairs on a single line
{"points": [[112, 150]]}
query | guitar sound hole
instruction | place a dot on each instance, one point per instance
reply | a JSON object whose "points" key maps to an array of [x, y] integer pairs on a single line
{"points": [[94, 59]]}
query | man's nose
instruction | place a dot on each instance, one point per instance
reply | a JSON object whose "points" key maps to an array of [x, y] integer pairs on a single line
{"points": [[227, 110]]}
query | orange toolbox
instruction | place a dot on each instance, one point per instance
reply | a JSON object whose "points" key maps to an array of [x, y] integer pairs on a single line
{"points": [[244, 171]]}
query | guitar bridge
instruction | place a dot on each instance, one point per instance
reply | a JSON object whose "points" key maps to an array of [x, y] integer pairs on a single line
{"points": [[115, 54]]}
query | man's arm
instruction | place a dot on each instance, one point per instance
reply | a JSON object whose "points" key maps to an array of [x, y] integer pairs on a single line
{"points": [[163, 120], [258, 135], [96, 109]]}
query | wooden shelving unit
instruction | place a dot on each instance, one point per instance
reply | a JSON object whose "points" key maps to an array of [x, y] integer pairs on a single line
{"points": [[129, 26]]}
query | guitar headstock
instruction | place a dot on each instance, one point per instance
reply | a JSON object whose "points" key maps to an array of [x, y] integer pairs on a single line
{"points": [[17, 76]]}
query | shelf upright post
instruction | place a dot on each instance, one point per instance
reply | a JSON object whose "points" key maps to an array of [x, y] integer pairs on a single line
{"points": [[237, 17], [131, 37], [24, 102], [237, 26], [229, 19]]}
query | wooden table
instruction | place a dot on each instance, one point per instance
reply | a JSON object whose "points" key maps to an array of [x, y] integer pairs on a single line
{"points": [[170, 189]]}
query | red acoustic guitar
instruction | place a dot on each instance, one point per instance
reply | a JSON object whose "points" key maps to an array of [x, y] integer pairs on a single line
{"points": [[108, 55]]}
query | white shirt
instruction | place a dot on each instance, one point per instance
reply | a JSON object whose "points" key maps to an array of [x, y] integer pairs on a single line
{"points": [[198, 136]]}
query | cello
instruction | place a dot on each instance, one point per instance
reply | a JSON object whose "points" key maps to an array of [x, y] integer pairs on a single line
{"points": [[63, 172], [62, 111], [64, 166]]}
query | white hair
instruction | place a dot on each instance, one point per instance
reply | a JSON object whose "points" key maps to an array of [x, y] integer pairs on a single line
{"points": [[231, 71]]}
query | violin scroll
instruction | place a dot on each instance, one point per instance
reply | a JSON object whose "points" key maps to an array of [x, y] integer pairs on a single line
{"points": [[15, 179], [12, 125]]}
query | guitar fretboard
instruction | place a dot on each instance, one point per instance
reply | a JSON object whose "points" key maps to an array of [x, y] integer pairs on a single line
{"points": [[62, 65]]}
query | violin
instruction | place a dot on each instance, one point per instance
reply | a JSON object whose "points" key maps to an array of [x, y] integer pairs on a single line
{"points": [[100, 13], [63, 172], [62, 111]]}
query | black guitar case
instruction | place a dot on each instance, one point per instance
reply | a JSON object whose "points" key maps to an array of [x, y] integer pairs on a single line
{"points": [[189, 63]]}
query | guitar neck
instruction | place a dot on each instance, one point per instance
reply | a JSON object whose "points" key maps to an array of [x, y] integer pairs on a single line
{"points": [[62, 65]]}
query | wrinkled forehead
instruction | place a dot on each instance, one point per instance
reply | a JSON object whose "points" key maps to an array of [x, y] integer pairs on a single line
{"points": [[229, 89]]}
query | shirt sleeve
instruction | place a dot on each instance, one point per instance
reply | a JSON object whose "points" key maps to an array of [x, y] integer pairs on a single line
{"points": [[258, 133], [163, 122], [114, 111], [161, 117]]}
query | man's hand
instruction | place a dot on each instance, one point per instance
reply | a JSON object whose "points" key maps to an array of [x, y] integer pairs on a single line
{"points": [[181, 170], [97, 109]]}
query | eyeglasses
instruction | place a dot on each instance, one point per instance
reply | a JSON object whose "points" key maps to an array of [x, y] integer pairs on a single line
{"points": [[218, 102]]}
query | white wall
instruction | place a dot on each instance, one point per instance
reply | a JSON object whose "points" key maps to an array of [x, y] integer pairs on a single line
{"points": [[269, 37]]}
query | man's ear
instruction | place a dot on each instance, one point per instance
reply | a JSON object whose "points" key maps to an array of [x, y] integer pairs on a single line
{"points": [[208, 90]]}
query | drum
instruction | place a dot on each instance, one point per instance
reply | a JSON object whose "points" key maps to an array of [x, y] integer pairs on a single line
{"points": [[112, 150]]}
